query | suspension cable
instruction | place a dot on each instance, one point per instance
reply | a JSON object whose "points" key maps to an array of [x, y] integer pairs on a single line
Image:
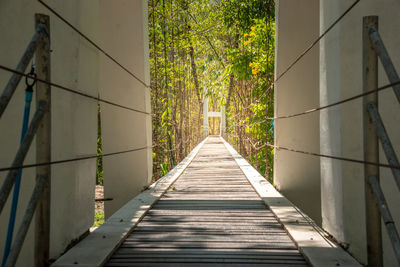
{"points": [[383, 165], [92, 43], [308, 49], [326, 106], [72, 159], [74, 91], [335, 157], [335, 103]]}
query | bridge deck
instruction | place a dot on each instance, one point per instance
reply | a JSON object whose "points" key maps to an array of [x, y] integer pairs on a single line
{"points": [[211, 216]]}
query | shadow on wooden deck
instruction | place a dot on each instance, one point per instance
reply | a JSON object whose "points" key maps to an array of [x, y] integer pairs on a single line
{"points": [[213, 209]]}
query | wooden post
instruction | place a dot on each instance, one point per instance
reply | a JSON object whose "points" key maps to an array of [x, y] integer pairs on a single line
{"points": [[43, 143], [205, 115], [371, 147], [223, 122]]}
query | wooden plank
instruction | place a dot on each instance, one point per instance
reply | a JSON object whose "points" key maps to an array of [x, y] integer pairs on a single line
{"points": [[214, 182], [167, 254], [212, 252], [212, 232], [215, 177], [210, 227], [230, 195], [202, 215], [177, 207], [186, 264], [207, 206], [261, 225], [214, 244], [211, 216], [200, 219], [201, 238], [209, 235], [199, 258], [209, 188], [183, 198], [219, 203], [223, 213], [206, 260]]}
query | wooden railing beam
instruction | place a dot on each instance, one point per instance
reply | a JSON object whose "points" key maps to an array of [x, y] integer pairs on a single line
{"points": [[387, 63], [371, 146], [21, 67], [43, 147], [26, 222], [21, 154]]}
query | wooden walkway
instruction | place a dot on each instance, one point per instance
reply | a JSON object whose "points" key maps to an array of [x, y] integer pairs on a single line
{"points": [[211, 216]]}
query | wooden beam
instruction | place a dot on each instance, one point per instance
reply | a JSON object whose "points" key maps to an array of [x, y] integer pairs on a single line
{"points": [[43, 145], [371, 146]]}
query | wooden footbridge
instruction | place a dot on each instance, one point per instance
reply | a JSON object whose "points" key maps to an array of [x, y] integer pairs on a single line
{"points": [[213, 209], [210, 215]]}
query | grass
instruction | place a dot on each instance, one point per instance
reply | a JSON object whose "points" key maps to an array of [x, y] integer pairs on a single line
{"points": [[98, 219]]}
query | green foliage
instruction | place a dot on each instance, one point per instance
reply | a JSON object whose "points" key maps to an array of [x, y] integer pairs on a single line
{"points": [[220, 49], [251, 59], [99, 159], [164, 168], [98, 219], [238, 14]]}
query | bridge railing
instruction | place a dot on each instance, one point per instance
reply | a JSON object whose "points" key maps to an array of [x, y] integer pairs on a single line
{"points": [[374, 130], [39, 127]]}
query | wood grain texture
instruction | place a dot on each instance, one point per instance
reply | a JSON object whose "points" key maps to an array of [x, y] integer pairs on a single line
{"points": [[211, 216]]}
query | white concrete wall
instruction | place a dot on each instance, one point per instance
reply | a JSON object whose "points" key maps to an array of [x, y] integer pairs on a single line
{"points": [[74, 124], [341, 128], [330, 120], [76, 64], [297, 176], [124, 35]]}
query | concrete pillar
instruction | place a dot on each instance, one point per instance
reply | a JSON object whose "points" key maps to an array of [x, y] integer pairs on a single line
{"points": [[297, 176], [124, 35], [74, 123], [342, 183], [330, 122]]}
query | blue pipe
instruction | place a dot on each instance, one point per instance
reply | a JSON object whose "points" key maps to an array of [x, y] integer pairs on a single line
{"points": [[17, 185]]}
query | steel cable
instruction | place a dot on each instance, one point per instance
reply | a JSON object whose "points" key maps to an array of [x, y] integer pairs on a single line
{"points": [[335, 157], [335, 103], [71, 159], [308, 49], [74, 91], [327, 156], [55, 13], [142, 82], [326, 106]]}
